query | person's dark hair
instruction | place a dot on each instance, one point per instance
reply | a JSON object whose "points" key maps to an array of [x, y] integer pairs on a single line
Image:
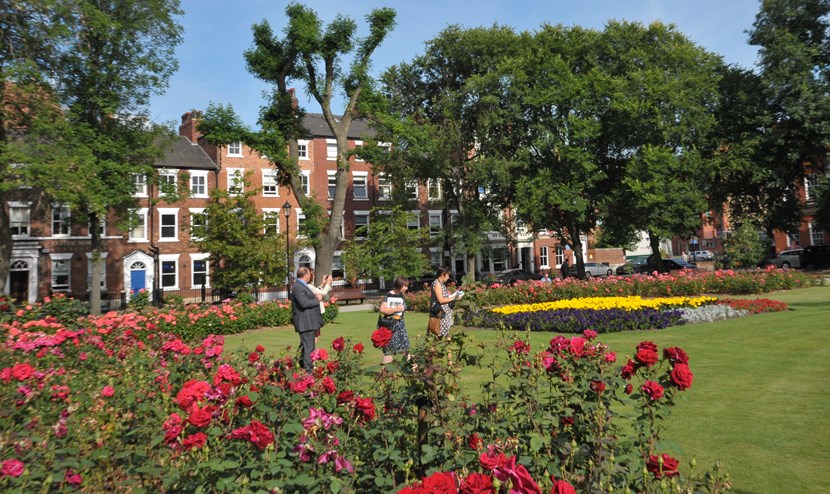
{"points": [[400, 282], [442, 271]]}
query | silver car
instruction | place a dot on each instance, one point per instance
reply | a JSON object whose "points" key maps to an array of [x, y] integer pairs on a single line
{"points": [[593, 269], [788, 259]]}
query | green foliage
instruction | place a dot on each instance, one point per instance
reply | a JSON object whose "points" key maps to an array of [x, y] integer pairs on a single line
{"points": [[139, 301], [745, 246], [244, 252], [373, 257]]}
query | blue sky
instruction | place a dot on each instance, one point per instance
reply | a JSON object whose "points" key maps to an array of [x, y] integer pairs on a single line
{"points": [[217, 32]]}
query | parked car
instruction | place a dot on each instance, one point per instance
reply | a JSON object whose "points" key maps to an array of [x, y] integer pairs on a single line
{"points": [[592, 269], [425, 280], [816, 257], [633, 266], [676, 263], [511, 276], [701, 255], [786, 259]]}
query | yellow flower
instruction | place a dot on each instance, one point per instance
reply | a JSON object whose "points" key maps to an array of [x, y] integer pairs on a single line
{"points": [[604, 303]]}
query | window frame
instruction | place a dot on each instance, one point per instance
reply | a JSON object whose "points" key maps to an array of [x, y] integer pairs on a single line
{"points": [[364, 177], [54, 259], [169, 258], [141, 213], [268, 213], [203, 175], [816, 233], [435, 213], [174, 212], [269, 179], [305, 181], [235, 149], [384, 187], [236, 178], [64, 220], [544, 256], [433, 183], [329, 155], [331, 188], [196, 213], [194, 258], [139, 184], [20, 206], [361, 214], [302, 149]]}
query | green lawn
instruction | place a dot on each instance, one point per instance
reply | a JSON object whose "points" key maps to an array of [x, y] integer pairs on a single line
{"points": [[760, 403]]}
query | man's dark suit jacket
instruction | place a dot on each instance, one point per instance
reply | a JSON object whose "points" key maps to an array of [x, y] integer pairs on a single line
{"points": [[305, 308]]}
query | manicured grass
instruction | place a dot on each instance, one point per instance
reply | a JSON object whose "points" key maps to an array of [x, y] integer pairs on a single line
{"points": [[760, 403]]}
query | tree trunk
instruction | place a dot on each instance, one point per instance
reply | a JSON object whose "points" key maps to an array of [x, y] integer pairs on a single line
{"points": [[95, 275], [5, 247], [656, 263]]}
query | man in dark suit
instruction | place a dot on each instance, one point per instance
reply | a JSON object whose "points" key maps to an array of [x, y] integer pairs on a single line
{"points": [[305, 306]]}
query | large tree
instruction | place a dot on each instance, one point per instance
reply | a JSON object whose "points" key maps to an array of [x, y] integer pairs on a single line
{"points": [[793, 38], [657, 128], [559, 183], [448, 116], [315, 56]]}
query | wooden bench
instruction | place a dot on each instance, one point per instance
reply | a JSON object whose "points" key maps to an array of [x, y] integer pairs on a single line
{"points": [[347, 294]]}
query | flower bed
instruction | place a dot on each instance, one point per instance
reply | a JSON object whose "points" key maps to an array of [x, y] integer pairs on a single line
{"points": [[114, 404], [726, 282]]}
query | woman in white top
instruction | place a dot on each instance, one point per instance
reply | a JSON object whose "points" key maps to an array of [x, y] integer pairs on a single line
{"points": [[323, 290], [394, 305]]}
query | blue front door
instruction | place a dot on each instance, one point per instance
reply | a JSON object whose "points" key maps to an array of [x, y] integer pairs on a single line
{"points": [[137, 280]]}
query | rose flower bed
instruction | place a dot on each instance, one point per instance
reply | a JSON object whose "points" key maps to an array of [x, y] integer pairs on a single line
{"points": [[112, 404]]}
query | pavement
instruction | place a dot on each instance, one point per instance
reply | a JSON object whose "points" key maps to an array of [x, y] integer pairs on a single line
{"points": [[356, 307]]}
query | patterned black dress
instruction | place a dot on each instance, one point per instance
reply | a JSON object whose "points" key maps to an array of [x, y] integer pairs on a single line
{"points": [[400, 339]]}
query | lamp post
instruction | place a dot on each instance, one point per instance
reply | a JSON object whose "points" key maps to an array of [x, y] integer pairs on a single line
{"points": [[286, 211]]}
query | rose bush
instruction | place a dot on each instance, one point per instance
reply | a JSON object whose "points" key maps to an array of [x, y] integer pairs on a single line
{"points": [[114, 404]]}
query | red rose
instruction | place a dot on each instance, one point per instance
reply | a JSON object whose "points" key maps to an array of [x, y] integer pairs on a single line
{"points": [[440, 483], [358, 348], [328, 385], [172, 433], [647, 345], [668, 467], [339, 344], [653, 390], [381, 337], [629, 369], [682, 376], [21, 372], [260, 435], [194, 441], [577, 346], [366, 407], [566, 421], [260, 348], [200, 417], [562, 487], [490, 460], [477, 483], [413, 490], [521, 347], [675, 355], [13, 468], [597, 387], [192, 391], [345, 397], [226, 373], [72, 478], [522, 483], [244, 401], [589, 334], [474, 441], [628, 389], [647, 357], [253, 357]]}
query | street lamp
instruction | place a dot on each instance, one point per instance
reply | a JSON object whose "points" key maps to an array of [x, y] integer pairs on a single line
{"points": [[286, 211]]}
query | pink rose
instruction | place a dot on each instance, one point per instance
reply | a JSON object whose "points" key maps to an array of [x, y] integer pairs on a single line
{"points": [[73, 478], [108, 391], [13, 468]]}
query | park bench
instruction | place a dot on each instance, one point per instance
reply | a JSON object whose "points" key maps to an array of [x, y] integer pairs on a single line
{"points": [[347, 294]]}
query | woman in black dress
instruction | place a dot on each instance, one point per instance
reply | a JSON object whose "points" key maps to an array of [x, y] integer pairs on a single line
{"points": [[394, 306]]}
